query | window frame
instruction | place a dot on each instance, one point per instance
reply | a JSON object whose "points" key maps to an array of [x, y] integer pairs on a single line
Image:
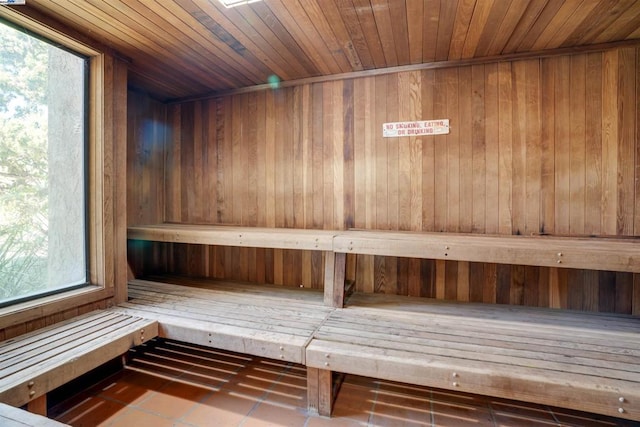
{"points": [[85, 166], [104, 229]]}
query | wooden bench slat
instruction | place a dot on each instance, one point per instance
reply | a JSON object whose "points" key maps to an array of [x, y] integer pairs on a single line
{"points": [[232, 338], [582, 392], [16, 417], [32, 354], [277, 238], [488, 337], [488, 353], [58, 366], [51, 332], [624, 340], [570, 252], [168, 293]]}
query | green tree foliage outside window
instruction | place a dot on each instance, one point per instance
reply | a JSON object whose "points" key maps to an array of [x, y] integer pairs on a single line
{"points": [[38, 85]]}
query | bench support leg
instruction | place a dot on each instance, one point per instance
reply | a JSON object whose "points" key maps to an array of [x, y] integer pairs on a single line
{"points": [[319, 391], [38, 405], [334, 275]]}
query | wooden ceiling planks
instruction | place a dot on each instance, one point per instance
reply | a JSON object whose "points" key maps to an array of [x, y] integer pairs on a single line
{"points": [[188, 48]]}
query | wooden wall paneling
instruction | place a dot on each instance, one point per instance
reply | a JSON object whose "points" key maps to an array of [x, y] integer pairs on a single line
{"points": [[526, 128], [544, 286], [590, 286], [251, 166], [399, 16], [505, 156], [478, 28], [270, 160], [577, 136], [338, 160], [446, 21], [260, 153], [540, 22], [393, 154], [404, 171], [610, 142], [490, 283], [636, 226], [627, 100], [317, 138], [361, 151], [519, 148], [101, 231], [575, 289], [517, 285], [428, 153], [547, 146], [381, 166], [415, 155], [450, 280], [636, 295], [533, 152], [491, 150], [593, 145], [466, 176], [623, 293], [479, 176], [305, 160], [562, 145], [440, 143], [453, 151], [347, 219]]}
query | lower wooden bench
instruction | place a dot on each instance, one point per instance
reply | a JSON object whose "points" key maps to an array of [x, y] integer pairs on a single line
{"points": [[587, 362], [261, 320], [16, 417], [33, 364]]}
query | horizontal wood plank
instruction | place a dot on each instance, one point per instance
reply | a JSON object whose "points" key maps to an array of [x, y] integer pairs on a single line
{"points": [[16, 417], [267, 321], [615, 254], [257, 237], [39, 364]]}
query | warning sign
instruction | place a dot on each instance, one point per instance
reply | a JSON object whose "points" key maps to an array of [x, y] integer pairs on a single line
{"points": [[420, 128]]}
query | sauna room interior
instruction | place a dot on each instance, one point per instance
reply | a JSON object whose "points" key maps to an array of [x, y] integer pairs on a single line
{"points": [[319, 212]]}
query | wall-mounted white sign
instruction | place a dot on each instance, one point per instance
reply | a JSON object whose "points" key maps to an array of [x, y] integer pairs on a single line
{"points": [[424, 127], [12, 2]]}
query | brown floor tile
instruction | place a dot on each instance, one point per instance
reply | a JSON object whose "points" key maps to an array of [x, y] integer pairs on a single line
{"points": [[575, 418], [519, 420], [131, 387], [334, 422], [455, 414], [175, 399], [522, 409], [220, 409], [267, 414], [92, 412], [137, 418], [400, 406], [355, 402]]}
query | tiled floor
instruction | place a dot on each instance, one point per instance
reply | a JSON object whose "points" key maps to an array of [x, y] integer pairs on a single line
{"points": [[174, 384]]}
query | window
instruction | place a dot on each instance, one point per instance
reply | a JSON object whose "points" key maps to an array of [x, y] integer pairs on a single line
{"points": [[43, 208]]}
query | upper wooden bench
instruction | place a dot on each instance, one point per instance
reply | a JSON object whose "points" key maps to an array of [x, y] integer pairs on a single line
{"points": [[592, 253], [261, 320], [228, 235], [33, 364], [256, 237]]}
